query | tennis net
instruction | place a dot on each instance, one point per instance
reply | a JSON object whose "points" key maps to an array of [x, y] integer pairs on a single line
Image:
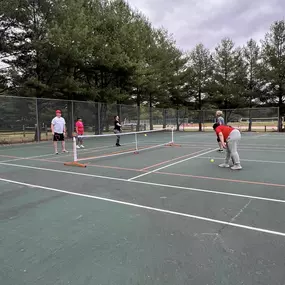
{"points": [[92, 147]]}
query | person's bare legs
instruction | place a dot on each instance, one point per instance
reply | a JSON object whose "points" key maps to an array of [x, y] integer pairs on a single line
{"points": [[55, 147], [63, 146]]}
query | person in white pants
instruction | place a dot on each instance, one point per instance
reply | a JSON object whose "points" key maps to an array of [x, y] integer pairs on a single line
{"points": [[229, 138]]}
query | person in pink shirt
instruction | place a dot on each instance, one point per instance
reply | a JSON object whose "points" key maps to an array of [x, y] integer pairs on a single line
{"points": [[79, 128]]}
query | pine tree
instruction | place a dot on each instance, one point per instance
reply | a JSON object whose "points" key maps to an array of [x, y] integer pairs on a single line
{"points": [[273, 66]]}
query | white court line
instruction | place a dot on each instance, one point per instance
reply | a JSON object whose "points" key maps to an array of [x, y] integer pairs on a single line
{"points": [[241, 147], [241, 144], [87, 150], [147, 208], [29, 157], [147, 183], [250, 160], [256, 137], [17, 146], [171, 164]]}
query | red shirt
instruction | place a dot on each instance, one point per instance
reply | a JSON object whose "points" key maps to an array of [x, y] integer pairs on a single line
{"points": [[80, 127], [225, 130]]}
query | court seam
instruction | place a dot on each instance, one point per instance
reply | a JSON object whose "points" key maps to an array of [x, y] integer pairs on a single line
{"points": [[152, 183], [171, 164], [164, 211]]}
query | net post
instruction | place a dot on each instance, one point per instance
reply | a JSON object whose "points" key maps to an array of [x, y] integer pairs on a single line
{"points": [[74, 149], [136, 141], [172, 139], [75, 158]]}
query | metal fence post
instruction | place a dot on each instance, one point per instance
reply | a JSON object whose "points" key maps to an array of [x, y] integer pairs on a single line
{"points": [[72, 117], [37, 121]]}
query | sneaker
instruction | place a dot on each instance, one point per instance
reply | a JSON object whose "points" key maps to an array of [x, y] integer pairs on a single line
{"points": [[220, 150], [82, 146], [236, 167], [224, 165], [77, 146], [65, 151], [56, 152]]}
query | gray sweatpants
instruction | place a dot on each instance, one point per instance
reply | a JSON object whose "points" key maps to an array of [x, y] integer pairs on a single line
{"points": [[232, 142]]}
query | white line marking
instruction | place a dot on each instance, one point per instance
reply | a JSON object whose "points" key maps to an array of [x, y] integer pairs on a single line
{"points": [[208, 191], [241, 144], [150, 183], [87, 150], [171, 164], [257, 136], [147, 208], [250, 160], [241, 148], [29, 157]]}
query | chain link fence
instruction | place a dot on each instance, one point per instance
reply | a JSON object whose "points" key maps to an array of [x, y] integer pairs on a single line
{"points": [[28, 119]]}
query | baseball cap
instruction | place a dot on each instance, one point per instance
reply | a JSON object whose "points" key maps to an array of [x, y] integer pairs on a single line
{"points": [[57, 111]]}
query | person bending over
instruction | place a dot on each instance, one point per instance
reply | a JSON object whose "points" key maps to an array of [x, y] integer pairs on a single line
{"points": [[229, 138]]}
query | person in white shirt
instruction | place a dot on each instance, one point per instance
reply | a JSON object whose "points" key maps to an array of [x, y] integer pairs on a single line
{"points": [[58, 129]]}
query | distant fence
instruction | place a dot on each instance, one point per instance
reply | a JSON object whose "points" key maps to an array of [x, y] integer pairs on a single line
{"points": [[28, 119]]}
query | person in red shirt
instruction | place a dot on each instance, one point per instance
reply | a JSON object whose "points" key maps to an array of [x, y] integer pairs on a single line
{"points": [[79, 128], [229, 138]]}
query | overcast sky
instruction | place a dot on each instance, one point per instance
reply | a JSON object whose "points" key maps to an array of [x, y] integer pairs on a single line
{"points": [[208, 21]]}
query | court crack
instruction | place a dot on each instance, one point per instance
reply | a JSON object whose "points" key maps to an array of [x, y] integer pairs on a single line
{"points": [[218, 237], [234, 218]]}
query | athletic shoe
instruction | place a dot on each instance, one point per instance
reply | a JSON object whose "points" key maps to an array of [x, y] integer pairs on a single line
{"points": [[236, 167], [65, 151], [56, 152], [224, 165], [77, 146], [82, 146], [220, 150]]}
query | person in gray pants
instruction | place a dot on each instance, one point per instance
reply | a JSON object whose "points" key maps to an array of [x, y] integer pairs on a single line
{"points": [[229, 138], [220, 120]]}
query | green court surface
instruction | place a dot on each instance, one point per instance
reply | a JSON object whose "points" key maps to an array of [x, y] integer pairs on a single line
{"points": [[166, 215]]}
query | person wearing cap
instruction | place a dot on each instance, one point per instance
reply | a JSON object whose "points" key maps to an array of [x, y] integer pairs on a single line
{"points": [[220, 120], [229, 138], [58, 129]]}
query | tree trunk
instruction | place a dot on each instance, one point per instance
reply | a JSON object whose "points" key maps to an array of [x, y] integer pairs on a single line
{"points": [[280, 103], [164, 118], [250, 116]]}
